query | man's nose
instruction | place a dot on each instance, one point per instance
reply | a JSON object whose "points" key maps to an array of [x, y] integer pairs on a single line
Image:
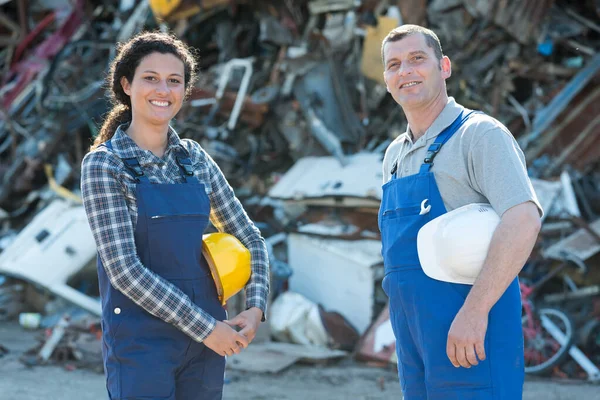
{"points": [[405, 69]]}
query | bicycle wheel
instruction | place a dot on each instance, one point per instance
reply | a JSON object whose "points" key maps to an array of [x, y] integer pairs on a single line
{"points": [[547, 339]]}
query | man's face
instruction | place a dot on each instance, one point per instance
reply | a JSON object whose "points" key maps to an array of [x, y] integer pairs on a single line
{"points": [[413, 74]]}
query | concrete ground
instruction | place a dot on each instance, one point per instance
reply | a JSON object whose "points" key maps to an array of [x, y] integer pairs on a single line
{"points": [[346, 380]]}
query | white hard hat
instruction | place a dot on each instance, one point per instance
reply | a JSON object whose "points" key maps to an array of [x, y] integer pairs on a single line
{"points": [[453, 246]]}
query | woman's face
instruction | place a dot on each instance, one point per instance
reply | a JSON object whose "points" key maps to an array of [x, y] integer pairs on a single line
{"points": [[157, 89]]}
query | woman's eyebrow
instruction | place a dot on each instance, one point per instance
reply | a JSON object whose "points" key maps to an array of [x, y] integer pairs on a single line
{"points": [[154, 72]]}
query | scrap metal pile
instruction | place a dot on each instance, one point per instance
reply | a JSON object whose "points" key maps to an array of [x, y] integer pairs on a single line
{"points": [[292, 105]]}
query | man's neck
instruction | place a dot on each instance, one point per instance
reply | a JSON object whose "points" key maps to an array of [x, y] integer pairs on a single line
{"points": [[420, 118], [149, 137]]}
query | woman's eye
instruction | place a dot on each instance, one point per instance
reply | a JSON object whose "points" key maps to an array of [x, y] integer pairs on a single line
{"points": [[175, 81], [150, 78]]}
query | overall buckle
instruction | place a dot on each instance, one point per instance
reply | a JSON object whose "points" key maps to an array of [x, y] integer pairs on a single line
{"points": [[186, 165], [432, 152], [133, 165]]}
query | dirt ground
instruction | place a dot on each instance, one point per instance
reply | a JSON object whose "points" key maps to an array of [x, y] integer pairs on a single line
{"points": [[345, 380]]}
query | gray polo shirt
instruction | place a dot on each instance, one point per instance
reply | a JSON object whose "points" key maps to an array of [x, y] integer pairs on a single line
{"points": [[481, 163]]}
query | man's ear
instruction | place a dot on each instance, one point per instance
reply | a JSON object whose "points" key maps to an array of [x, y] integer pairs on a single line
{"points": [[126, 86], [446, 67]]}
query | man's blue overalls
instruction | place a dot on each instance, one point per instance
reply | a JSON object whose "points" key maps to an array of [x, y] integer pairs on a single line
{"points": [[422, 309], [145, 357]]}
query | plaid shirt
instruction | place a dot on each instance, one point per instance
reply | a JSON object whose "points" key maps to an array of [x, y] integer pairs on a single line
{"points": [[108, 192]]}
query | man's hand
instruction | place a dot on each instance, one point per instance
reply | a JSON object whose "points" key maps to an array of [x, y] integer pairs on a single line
{"points": [[247, 320], [225, 341], [466, 337]]}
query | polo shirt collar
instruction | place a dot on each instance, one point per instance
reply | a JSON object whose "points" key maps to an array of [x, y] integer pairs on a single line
{"points": [[446, 117]]}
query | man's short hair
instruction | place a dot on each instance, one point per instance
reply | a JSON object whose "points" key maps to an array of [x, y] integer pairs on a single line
{"points": [[403, 31]]}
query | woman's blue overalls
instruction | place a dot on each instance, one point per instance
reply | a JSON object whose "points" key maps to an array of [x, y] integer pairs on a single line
{"points": [[422, 309], [145, 357]]}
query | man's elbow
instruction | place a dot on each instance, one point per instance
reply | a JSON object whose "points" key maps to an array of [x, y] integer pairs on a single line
{"points": [[526, 216], [532, 218]]}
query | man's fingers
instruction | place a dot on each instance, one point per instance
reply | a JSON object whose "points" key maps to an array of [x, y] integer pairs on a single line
{"points": [[471, 357], [480, 348], [451, 353], [461, 356]]}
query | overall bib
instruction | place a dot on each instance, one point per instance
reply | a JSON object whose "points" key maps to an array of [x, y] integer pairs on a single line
{"points": [[422, 309], [145, 357]]}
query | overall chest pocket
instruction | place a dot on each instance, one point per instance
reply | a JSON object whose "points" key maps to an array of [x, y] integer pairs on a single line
{"points": [[405, 208], [399, 228], [175, 245], [166, 218]]}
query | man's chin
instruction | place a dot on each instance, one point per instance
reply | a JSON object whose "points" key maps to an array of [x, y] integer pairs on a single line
{"points": [[409, 101]]}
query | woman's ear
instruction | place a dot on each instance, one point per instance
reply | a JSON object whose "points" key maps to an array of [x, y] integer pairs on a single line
{"points": [[126, 86]]}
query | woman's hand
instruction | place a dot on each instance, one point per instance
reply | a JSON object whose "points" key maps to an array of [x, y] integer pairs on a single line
{"points": [[225, 341], [247, 320]]}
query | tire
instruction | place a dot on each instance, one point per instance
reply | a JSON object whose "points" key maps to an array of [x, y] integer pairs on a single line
{"points": [[543, 344]]}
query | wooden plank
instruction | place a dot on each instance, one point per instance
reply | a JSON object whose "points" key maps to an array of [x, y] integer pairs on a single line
{"points": [[304, 352], [256, 359], [273, 357]]}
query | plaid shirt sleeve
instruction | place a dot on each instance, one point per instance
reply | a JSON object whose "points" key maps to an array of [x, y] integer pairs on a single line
{"points": [[105, 204], [228, 215]]}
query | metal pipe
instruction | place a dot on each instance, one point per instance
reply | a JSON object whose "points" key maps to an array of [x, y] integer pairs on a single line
{"points": [[577, 355]]}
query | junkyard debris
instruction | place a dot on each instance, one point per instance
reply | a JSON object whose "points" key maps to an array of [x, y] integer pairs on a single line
{"points": [[292, 105]]}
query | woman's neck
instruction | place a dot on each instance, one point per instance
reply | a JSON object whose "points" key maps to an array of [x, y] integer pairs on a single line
{"points": [[149, 137]]}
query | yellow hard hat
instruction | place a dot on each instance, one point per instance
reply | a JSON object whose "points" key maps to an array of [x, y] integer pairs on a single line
{"points": [[173, 9], [229, 263]]}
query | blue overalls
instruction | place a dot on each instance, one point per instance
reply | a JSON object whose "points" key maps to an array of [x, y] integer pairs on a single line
{"points": [[145, 357], [422, 309]]}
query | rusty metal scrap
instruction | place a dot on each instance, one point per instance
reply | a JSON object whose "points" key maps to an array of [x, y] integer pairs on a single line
{"points": [[521, 18], [282, 82]]}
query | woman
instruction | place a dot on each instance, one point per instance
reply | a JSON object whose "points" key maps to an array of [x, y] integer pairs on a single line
{"points": [[149, 196]]}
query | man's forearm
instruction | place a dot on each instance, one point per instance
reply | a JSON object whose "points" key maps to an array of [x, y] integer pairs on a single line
{"points": [[510, 248]]}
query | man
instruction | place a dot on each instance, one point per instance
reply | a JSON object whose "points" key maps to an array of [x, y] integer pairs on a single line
{"points": [[453, 341]]}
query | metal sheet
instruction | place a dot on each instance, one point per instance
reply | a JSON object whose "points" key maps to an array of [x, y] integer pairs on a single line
{"points": [[520, 18], [545, 117], [574, 139], [324, 90], [323, 181], [55, 245], [580, 243], [378, 343], [338, 274]]}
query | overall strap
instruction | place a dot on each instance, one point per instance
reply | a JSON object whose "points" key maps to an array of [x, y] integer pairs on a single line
{"points": [[185, 165], [132, 164], [135, 169], [442, 138]]}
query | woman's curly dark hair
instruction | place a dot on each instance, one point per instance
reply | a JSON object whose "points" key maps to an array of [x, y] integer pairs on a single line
{"points": [[129, 56]]}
